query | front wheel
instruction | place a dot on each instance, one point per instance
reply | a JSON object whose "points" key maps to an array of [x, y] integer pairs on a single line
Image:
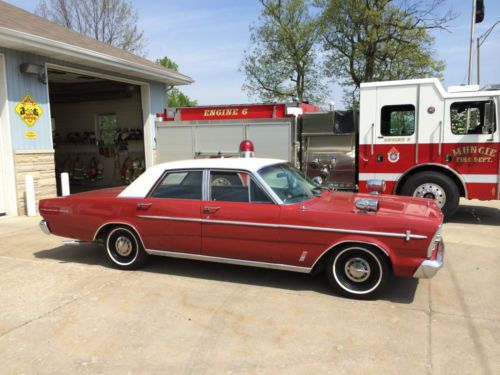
{"points": [[123, 248], [357, 271], [436, 186]]}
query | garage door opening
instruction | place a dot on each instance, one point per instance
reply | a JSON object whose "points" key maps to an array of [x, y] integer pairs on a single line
{"points": [[97, 127]]}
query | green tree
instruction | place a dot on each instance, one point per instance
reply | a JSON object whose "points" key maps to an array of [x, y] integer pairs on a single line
{"points": [[175, 97], [282, 63], [110, 21], [378, 40]]}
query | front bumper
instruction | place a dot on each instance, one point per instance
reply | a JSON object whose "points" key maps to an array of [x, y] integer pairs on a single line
{"points": [[429, 268], [44, 226]]}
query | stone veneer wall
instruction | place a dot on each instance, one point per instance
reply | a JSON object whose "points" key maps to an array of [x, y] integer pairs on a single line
{"points": [[40, 164]]}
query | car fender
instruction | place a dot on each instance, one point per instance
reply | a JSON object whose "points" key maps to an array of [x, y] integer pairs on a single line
{"points": [[379, 244]]}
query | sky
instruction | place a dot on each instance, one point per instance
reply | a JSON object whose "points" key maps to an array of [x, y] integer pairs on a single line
{"points": [[207, 39]]}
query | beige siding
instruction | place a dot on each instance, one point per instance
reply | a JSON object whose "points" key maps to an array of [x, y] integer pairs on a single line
{"points": [[39, 164]]}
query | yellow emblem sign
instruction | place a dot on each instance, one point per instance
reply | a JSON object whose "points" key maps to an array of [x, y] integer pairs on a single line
{"points": [[28, 110]]}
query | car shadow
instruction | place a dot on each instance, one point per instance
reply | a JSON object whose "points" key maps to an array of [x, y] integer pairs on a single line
{"points": [[467, 214], [399, 290]]}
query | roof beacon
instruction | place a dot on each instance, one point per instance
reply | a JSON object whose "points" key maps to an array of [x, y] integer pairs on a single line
{"points": [[246, 149]]}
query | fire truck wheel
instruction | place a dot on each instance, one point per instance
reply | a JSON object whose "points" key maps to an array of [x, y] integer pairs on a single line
{"points": [[434, 185], [357, 271]]}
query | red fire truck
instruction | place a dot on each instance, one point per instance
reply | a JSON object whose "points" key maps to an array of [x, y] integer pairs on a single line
{"points": [[419, 138]]}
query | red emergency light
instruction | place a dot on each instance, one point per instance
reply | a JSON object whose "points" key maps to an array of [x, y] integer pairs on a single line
{"points": [[246, 149]]}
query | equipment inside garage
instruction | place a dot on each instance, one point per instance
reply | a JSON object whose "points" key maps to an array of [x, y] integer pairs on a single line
{"points": [[97, 130]]}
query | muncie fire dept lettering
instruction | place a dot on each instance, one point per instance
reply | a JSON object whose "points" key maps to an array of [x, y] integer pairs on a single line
{"points": [[474, 154]]}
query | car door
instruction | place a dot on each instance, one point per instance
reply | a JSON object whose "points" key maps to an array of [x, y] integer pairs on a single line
{"points": [[239, 219], [169, 217]]}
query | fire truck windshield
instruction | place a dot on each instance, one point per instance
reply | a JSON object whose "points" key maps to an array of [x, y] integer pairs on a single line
{"points": [[289, 184]]}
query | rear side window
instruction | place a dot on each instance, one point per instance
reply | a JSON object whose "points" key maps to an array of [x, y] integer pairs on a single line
{"points": [[229, 186], [476, 117], [180, 185], [397, 120]]}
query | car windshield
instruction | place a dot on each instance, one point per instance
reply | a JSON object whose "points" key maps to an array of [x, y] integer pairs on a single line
{"points": [[289, 184]]}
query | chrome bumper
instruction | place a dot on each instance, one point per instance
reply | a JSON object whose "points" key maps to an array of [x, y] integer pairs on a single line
{"points": [[429, 268], [44, 226]]}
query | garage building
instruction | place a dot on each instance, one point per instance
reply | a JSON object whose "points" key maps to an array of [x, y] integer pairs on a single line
{"points": [[69, 103]]}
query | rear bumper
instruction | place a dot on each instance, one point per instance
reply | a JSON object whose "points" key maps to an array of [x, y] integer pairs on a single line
{"points": [[44, 226], [429, 268]]}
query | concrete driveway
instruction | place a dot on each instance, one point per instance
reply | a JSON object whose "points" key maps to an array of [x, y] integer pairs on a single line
{"points": [[63, 310]]}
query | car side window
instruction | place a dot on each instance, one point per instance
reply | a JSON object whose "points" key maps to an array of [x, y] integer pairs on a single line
{"points": [[397, 120], [476, 117], [229, 186], [180, 185]]}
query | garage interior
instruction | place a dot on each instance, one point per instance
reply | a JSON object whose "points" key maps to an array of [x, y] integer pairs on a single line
{"points": [[97, 128]]}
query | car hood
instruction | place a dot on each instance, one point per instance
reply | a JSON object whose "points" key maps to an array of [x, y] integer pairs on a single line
{"points": [[389, 205]]}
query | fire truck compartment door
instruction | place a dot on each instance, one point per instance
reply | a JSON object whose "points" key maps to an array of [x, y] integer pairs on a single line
{"points": [[213, 140], [271, 140], [174, 142], [193, 140]]}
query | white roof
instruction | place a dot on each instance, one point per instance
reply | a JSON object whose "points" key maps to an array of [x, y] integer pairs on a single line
{"points": [[466, 91], [142, 185]]}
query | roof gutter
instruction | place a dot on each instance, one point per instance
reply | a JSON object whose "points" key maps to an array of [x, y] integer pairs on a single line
{"points": [[36, 43]]}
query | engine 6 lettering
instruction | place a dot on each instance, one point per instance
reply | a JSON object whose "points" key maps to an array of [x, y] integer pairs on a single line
{"points": [[474, 154], [224, 112]]}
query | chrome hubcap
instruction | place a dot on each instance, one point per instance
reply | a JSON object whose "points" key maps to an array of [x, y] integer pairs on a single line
{"points": [[357, 269], [123, 246], [432, 191]]}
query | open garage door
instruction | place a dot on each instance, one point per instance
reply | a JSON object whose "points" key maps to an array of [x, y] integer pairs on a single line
{"points": [[97, 129]]}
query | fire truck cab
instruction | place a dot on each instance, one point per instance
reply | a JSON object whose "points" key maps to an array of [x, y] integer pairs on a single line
{"points": [[419, 138], [428, 142]]}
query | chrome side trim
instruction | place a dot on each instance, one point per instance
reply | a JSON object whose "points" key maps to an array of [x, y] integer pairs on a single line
{"points": [[44, 226], [59, 210], [460, 178], [338, 230], [242, 223], [264, 225], [239, 262], [353, 242], [170, 218]]}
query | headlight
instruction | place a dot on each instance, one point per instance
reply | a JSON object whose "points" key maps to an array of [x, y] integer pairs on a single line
{"points": [[435, 241]]}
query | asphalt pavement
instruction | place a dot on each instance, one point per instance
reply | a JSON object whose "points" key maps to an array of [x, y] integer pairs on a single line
{"points": [[64, 310]]}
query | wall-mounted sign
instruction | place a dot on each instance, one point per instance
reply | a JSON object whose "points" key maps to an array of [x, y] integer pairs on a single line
{"points": [[28, 110], [30, 135]]}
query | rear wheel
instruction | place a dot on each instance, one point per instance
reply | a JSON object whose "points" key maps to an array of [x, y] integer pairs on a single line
{"points": [[123, 248], [436, 186], [357, 271]]}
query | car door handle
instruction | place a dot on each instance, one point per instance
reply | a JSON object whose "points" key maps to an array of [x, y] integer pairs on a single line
{"points": [[143, 206], [210, 209]]}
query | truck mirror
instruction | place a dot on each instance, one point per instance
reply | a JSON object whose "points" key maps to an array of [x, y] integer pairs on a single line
{"points": [[318, 181], [333, 162]]}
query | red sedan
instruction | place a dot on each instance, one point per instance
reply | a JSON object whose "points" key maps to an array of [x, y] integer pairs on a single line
{"points": [[256, 212]]}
